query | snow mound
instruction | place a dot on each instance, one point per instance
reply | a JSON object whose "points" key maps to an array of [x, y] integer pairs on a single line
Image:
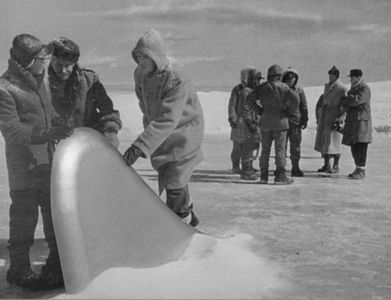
{"points": [[210, 268]]}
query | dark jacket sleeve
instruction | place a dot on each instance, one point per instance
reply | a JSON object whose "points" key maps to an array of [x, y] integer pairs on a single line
{"points": [[303, 107], [109, 119], [232, 104]]}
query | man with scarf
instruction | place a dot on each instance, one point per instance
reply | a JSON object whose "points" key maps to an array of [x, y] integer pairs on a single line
{"points": [[357, 132], [77, 94]]}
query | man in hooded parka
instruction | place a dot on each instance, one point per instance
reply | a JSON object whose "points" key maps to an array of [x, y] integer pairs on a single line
{"points": [[173, 123], [245, 134], [328, 111], [26, 123], [297, 121]]}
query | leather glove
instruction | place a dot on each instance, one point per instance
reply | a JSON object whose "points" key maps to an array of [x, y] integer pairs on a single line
{"points": [[54, 134], [132, 154], [252, 126], [233, 123], [338, 125], [304, 124]]}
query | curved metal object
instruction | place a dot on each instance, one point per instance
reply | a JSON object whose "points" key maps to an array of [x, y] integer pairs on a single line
{"points": [[105, 215]]}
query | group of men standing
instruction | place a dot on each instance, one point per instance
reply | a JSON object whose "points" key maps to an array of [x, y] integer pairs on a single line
{"points": [[276, 111]]}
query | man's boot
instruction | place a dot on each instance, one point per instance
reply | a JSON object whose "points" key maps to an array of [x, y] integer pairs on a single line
{"points": [[21, 274], [326, 167], [358, 174], [248, 172], [264, 176], [236, 168], [295, 169], [280, 177], [335, 168], [51, 273]]}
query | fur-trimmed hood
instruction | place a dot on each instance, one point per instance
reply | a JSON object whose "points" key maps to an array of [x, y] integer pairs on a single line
{"points": [[290, 70], [151, 44]]}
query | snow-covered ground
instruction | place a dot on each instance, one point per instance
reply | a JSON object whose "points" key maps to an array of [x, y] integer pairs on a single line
{"points": [[323, 237]]}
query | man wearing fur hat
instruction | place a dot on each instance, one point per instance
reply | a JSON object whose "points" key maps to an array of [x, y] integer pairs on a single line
{"points": [[77, 94], [329, 112], [297, 121], [357, 132], [26, 123], [275, 102], [173, 123]]}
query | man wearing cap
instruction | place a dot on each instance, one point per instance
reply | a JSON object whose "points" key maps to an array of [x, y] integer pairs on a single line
{"points": [[77, 94], [329, 113], [26, 123], [275, 102], [357, 132], [297, 121]]}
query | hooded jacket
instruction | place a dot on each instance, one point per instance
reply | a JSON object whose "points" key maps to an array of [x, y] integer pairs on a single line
{"points": [[238, 114], [358, 123], [300, 116], [25, 105], [172, 115]]}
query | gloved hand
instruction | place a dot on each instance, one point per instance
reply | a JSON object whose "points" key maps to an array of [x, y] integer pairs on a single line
{"points": [[112, 138], [132, 154], [54, 134], [338, 125], [304, 124], [233, 122], [252, 126]]}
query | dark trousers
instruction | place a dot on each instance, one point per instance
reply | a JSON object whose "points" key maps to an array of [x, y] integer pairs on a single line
{"points": [[294, 138], [359, 153], [279, 138], [179, 201], [24, 218], [246, 152]]}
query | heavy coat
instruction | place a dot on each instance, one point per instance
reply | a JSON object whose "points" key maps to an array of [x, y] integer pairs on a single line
{"points": [[172, 117], [300, 116], [238, 115], [83, 102], [276, 103], [25, 105], [358, 123], [328, 110]]}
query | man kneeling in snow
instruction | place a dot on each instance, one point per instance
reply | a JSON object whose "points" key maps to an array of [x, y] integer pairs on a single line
{"points": [[173, 124]]}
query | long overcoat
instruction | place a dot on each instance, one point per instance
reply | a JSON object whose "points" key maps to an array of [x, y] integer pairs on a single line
{"points": [[358, 123], [172, 117], [328, 110]]}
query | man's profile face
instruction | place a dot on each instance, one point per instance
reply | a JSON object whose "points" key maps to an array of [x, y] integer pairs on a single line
{"points": [[332, 77], [62, 67]]}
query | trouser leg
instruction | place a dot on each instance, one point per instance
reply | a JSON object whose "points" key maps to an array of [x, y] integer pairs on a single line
{"points": [[294, 136], [179, 201], [359, 153], [235, 155], [266, 142], [23, 222], [279, 146], [336, 159]]}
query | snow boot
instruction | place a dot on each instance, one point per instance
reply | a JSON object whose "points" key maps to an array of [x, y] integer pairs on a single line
{"points": [[326, 168], [335, 168], [281, 179], [24, 277], [51, 273], [296, 172], [248, 172], [236, 170], [264, 177], [358, 174]]}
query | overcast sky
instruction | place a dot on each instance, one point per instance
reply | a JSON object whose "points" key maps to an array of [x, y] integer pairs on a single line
{"points": [[213, 40]]}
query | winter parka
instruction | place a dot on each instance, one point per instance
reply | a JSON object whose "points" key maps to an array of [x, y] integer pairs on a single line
{"points": [[172, 116], [300, 116], [275, 102], [25, 105], [83, 102], [328, 110], [238, 117], [358, 123]]}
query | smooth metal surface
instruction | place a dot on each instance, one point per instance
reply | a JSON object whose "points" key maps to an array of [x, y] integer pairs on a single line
{"points": [[105, 215]]}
